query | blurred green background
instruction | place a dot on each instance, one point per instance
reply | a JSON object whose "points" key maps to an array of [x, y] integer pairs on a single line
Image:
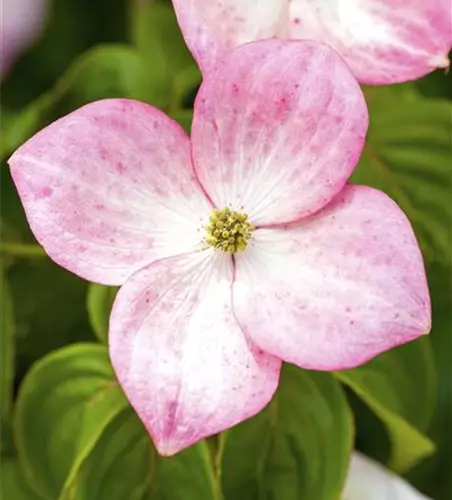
{"points": [[117, 48]]}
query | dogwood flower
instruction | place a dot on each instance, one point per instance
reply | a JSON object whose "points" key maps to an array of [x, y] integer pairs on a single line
{"points": [[237, 249], [368, 479], [21, 21], [383, 41]]}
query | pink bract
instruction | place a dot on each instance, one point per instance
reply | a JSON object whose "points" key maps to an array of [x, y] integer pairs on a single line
{"points": [[332, 276], [383, 41], [21, 23]]}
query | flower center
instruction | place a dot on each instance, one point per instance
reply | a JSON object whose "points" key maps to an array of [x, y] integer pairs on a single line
{"points": [[228, 231]]}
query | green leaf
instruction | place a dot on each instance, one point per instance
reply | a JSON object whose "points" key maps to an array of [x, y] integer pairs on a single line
{"points": [[184, 118], [12, 482], [14, 226], [408, 155], [78, 438], [406, 91], [104, 72], [436, 85], [124, 464], [157, 36], [399, 387], [64, 405], [49, 309], [119, 465], [433, 475], [7, 231], [297, 448], [186, 476], [6, 361], [99, 302]]}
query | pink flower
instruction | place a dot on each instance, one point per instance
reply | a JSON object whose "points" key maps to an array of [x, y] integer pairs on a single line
{"points": [[327, 276], [369, 480], [21, 23], [383, 41]]}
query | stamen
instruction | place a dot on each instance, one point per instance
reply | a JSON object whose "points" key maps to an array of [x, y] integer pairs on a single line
{"points": [[228, 231]]}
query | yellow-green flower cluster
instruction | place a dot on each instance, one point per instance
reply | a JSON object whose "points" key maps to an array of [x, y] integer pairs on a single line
{"points": [[228, 231]]}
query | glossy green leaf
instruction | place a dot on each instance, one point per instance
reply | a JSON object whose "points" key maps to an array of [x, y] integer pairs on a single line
{"points": [[77, 436], [105, 71], [64, 405], [433, 475], [399, 387], [408, 155], [99, 302], [186, 476], [12, 482], [297, 448], [118, 467], [123, 464], [157, 36]]}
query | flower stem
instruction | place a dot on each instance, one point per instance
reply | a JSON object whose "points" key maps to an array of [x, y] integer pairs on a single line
{"points": [[22, 250]]}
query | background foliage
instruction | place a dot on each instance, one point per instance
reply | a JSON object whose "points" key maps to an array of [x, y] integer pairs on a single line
{"points": [[67, 431]]}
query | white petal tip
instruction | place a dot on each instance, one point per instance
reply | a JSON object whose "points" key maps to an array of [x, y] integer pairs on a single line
{"points": [[427, 323], [442, 62], [169, 448]]}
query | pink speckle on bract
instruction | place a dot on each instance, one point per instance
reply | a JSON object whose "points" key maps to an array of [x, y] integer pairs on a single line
{"points": [[46, 191], [330, 276]]}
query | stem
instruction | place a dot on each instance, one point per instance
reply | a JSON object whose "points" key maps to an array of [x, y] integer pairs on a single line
{"points": [[7, 343], [135, 10], [22, 250]]}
